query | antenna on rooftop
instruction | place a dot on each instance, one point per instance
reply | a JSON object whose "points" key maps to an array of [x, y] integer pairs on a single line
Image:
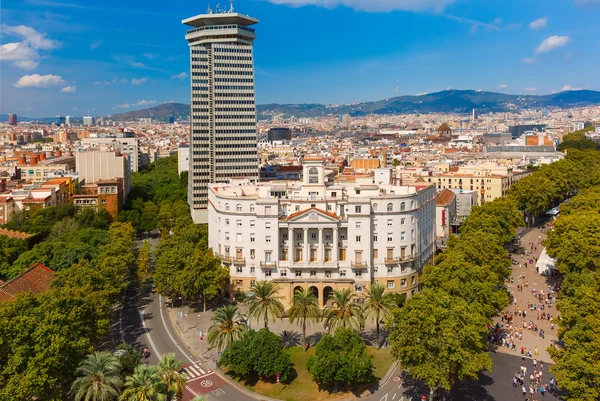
{"points": [[230, 6], [397, 86], [218, 8], [208, 9]]}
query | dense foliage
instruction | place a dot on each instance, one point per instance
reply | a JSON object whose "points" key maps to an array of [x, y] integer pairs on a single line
{"points": [[576, 140], [341, 359], [258, 353], [45, 337]]}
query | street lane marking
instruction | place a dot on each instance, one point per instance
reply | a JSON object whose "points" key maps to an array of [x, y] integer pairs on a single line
{"points": [[168, 331], [384, 398], [141, 314], [394, 396], [192, 372], [218, 392]]}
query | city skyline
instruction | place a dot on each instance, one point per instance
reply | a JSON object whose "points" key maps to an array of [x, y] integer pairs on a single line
{"points": [[56, 61]]}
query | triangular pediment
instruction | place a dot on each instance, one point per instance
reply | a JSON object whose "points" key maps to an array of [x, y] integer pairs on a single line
{"points": [[313, 215]]}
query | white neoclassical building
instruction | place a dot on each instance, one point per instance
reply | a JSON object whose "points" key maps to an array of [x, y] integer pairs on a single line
{"points": [[322, 235]]}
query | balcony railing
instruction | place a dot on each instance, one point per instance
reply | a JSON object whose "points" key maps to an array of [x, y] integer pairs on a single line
{"points": [[226, 259], [268, 264], [358, 264], [239, 261], [391, 260]]}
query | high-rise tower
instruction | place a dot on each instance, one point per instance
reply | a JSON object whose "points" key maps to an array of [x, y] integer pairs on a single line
{"points": [[223, 108]]}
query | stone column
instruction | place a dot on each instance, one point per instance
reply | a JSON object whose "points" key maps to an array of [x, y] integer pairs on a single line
{"points": [[336, 248], [291, 240], [321, 250], [306, 250]]}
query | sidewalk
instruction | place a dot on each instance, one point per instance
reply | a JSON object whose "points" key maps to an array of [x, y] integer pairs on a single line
{"points": [[529, 279]]}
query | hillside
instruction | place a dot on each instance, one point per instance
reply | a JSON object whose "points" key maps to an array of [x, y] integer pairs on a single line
{"points": [[162, 111]]}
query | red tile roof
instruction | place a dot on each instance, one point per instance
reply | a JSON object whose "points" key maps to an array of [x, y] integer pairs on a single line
{"points": [[14, 234], [444, 197], [37, 278]]}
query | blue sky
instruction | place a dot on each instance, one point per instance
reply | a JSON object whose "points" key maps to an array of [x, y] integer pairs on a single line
{"points": [[110, 56]]}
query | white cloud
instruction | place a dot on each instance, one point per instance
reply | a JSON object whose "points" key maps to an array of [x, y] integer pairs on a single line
{"points": [[570, 88], [123, 80], [39, 81], [69, 89], [25, 54], [95, 44], [529, 60], [97, 83], [114, 81], [139, 81], [138, 103], [372, 5], [150, 55], [183, 75], [539, 23], [27, 64], [503, 86], [552, 43], [530, 89], [75, 109]]}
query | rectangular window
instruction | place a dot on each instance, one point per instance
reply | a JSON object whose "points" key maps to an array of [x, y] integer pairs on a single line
{"points": [[268, 225], [357, 209], [390, 284], [252, 223], [268, 239], [402, 221], [358, 225], [299, 236], [283, 273], [297, 208], [313, 273], [267, 209], [298, 273], [252, 253], [342, 273], [390, 237], [329, 208], [252, 282], [342, 236], [252, 269], [238, 223], [412, 280], [412, 234], [252, 238], [227, 222], [333, 194], [403, 283], [358, 273], [390, 222], [327, 273], [226, 236], [402, 236], [328, 237], [358, 238], [375, 238], [239, 269], [284, 237], [313, 235], [238, 238], [375, 253], [268, 273]]}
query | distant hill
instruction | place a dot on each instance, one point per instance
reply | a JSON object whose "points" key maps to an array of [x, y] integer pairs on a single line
{"points": [[162, 111]]}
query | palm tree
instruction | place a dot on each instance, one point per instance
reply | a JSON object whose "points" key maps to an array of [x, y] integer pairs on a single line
{"points": [[144, 385], [168, 370], [304, 309], [343, 311], [228, 326], [99, 378], [264, 301], [378, 304]]}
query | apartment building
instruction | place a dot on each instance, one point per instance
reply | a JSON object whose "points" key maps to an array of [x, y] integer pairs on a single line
{"points": [[94, 165], [323, 234]]}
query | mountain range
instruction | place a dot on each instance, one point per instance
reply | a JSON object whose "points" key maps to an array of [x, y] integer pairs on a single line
{"points": [[447, 101]]}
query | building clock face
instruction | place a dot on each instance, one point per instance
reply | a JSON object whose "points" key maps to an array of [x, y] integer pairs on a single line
{"points": [[312, 217]]}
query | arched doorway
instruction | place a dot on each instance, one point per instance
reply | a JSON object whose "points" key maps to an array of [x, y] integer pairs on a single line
{"points": [[297, 288], [314, 290], [327, 291]]}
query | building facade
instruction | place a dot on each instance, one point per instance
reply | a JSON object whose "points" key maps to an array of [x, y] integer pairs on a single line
{"points": [[322, 235], [223, 141], [125, 145], [12, 119], [95, 165]]}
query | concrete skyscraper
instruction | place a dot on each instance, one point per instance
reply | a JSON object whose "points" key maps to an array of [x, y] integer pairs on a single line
{"points": [[223, 140]]}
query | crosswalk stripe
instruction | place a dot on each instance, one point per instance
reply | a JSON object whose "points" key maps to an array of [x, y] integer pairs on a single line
{"points": [[193, 371], [200, 369]]}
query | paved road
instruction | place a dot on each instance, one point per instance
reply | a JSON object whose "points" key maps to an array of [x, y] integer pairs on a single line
{"points": [[145, 324]]}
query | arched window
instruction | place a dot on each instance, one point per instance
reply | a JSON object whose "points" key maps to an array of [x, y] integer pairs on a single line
{"points": [[313, 175], [390, 207], [227, 207], [374, 207], [403, 206], [412, 204], [252, 208], [238, 208]]}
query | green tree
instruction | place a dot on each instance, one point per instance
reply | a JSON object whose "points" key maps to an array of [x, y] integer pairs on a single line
{"points": [[439, 339], [130, 359], [264, 302], [98, 378], [305, 309], [343, 311], [168, 370], [378, 304], [341, 359], [143, 262], [228, 326], [258, 352], [144, 385], [203, 276]]}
